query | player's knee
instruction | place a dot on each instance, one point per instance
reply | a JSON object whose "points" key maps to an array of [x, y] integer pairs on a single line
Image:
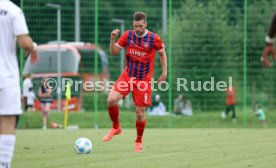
{"points": [[7, 124], [45, 112], [140, 115], [111, 101]]}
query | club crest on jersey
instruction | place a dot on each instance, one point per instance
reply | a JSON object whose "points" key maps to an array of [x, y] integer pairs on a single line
{"points": [[132, 42], [146, 44]]}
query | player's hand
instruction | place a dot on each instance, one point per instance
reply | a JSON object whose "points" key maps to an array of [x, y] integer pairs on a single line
{"points": [[268, 50], [114, 34], [33, 54], [49, 91], [162, 78], [34, 57]]}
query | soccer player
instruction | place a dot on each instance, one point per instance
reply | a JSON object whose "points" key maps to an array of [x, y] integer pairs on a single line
{"points": [[46, 99], [12, 27], [27, 85], [269, 48], [141, 46], [260, 114], [230, 103]]}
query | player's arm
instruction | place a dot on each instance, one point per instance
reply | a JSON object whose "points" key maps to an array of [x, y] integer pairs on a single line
{"points": [[40, 94], [163, 61], [20, 30], [272, 29], [269, 47], [25, 42], [114, 49]]}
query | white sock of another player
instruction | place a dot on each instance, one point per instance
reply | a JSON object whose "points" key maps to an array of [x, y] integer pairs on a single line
{"points": [[7, 143]]}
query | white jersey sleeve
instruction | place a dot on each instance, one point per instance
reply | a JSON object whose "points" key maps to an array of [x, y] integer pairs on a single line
{"points": [[19, 24]]}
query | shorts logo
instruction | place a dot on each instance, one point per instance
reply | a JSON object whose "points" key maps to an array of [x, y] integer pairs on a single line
{"points": [[146, 98]]}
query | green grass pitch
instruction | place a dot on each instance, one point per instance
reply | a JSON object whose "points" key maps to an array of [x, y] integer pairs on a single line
{"points": [[163, 148]]}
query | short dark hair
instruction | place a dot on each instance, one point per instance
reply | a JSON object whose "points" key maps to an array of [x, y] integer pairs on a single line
{"points": [[17, 2], [139, 16]]}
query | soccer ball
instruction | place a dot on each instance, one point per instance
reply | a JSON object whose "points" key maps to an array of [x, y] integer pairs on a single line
{"points": [[83, 145]]}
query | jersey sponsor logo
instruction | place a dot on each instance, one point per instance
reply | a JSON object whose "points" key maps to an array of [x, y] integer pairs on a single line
{"points": [[137, 53], [132, 42], [3, 12]]}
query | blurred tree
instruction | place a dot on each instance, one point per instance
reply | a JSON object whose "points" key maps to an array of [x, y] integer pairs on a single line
{"points": [[205, 46]]}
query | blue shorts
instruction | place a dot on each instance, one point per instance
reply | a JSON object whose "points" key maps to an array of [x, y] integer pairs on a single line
{"points": [[43, 102]]}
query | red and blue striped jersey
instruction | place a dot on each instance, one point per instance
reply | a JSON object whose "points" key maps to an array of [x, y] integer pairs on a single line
{"points": [[140, 52]]}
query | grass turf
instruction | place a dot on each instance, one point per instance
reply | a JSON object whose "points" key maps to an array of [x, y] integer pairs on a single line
{"points": [[127, 120], [163, 148]]}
